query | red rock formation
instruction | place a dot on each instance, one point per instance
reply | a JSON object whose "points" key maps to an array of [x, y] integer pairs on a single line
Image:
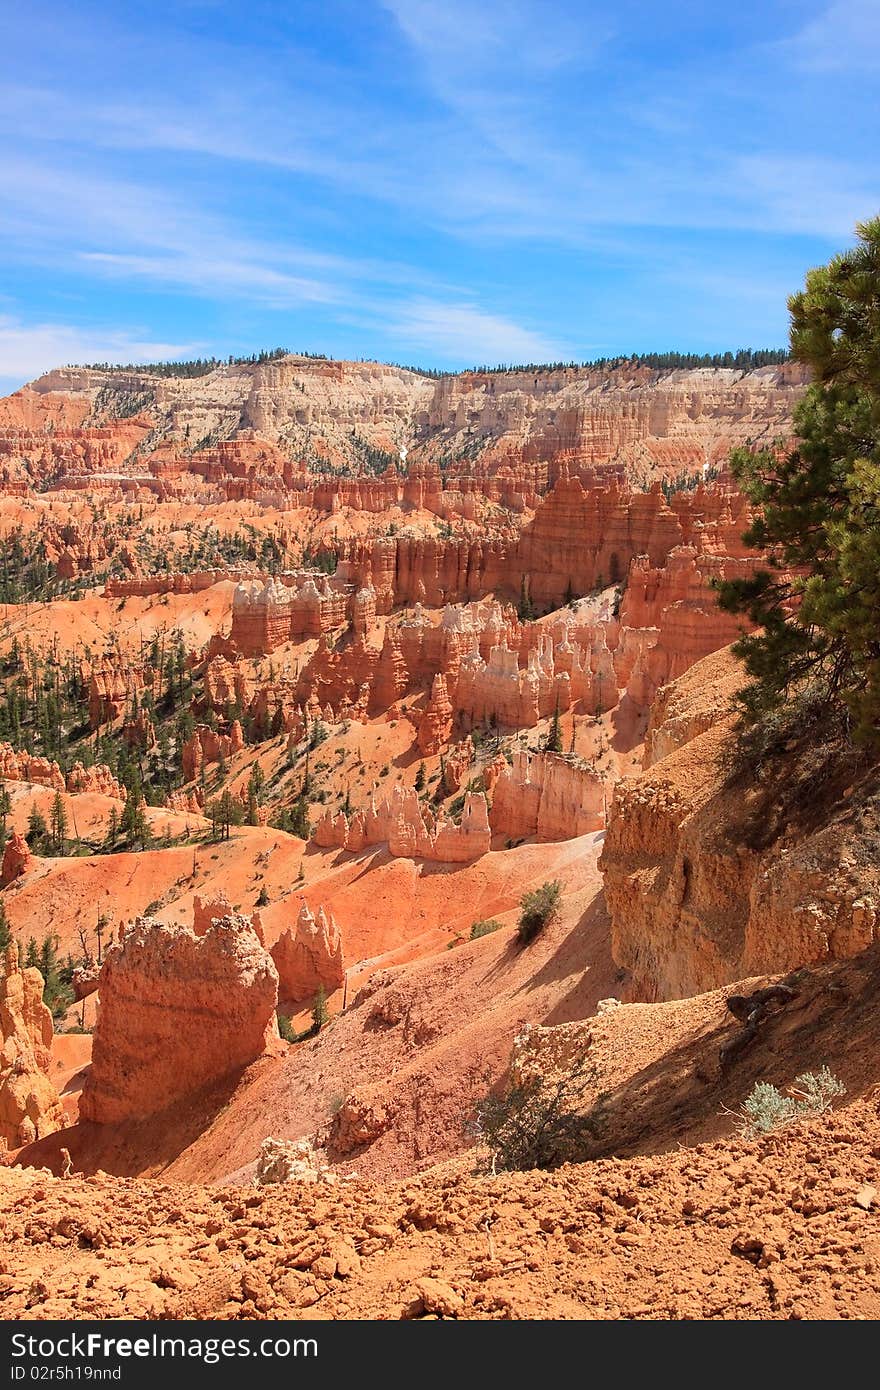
{"points": [[140, 732], [492, 771], [471, 839], [692, 704], [85, 980], [225, 685], [112, 689], [410, 829], [97, 778], [331, 830], [22, 767], [17, 859], [391, 678], [205, 745], [549, 796], [177, 1013], [206, 911], [338, 678], [191, 802], [457, 763], [706, 883], [29, 1103], [436, 722], [300, 605], [309, 956], [363, 613]]}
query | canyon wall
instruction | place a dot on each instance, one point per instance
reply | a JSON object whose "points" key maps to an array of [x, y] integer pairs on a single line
{"points": [[581, 538], [244, 422], [711, 877]]}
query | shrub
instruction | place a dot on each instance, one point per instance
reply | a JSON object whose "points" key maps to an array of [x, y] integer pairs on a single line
{"points": [[484, 928], [538, 909], [286, 1029], [816, 1091], [533, 1124], [263, 897], [767, 1110]]}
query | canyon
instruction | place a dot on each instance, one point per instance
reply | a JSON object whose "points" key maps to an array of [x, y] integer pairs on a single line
{"points": [[313, 675]]}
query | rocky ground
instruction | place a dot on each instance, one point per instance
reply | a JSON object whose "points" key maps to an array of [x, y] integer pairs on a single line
{"points": [[783, 1228]]}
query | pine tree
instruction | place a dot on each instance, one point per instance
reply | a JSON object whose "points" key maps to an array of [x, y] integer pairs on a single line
{"points": [[37, 830], [58, 824], [525, 608], [816, 512], [420, 777], [299, 819], [133, 824], [553, 743]]}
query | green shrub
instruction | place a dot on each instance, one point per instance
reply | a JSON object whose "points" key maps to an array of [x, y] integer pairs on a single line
{"points": [[533, 1124], [484, 928], [767, 1110], [538, 909], [320, 1011], [286, 1029]]}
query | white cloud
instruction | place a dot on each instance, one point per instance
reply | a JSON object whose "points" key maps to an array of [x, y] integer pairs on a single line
{"points": [[493, 37], [466, 333], [28, 350], [846, 37], [807, 195], [217, 277]]}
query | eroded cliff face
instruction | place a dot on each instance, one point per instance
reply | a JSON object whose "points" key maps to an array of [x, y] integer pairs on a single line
{"points": [[711, 877], [76, 421], [177, 1012]]}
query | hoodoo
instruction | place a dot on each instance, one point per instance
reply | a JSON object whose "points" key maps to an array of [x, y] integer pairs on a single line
{"points": [[29, 1103], [177, 1013]]}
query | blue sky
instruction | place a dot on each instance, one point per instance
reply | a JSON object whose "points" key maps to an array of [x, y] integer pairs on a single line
{"points": [[442, 182]]}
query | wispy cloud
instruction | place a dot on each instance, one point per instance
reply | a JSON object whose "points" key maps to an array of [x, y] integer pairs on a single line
{"points": [[133, 231], [808, 194], [28, 350], [215, 277], [466, 333], [844, 38]]}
